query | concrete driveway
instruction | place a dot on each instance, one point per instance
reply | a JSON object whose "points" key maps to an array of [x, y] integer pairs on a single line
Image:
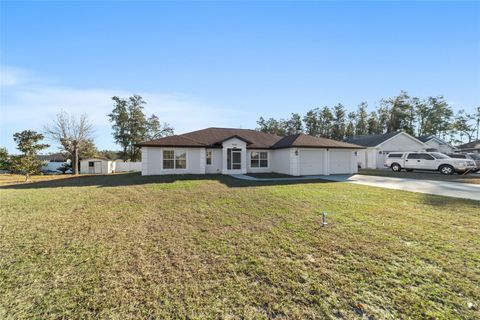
{"points": [[442, 188]]}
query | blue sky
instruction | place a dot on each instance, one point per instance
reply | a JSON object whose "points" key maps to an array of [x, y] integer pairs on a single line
{"points": [[205, 64]]}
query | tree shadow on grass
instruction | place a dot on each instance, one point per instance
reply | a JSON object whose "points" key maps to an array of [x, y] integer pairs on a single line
{"points": [[131, 179], [449, 202]]}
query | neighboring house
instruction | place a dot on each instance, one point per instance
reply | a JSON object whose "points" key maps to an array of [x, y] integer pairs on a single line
{"points": [[51, 162], [240, 151], [379, 145], [98, 165], [436, 144], [473, 146]]}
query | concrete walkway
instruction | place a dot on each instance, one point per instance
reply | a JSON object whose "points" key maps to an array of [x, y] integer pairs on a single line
{"points": [[442, 188]]}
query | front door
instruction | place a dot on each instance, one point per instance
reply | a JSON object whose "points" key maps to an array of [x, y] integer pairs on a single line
{"points": [[234, 159], [98, 167]]}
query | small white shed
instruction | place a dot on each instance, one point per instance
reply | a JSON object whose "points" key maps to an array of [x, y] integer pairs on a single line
{"points": [[97, 166], [378, 146]]}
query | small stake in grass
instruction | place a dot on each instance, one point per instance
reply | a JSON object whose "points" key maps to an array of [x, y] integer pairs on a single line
{"points": [[324, 219]]}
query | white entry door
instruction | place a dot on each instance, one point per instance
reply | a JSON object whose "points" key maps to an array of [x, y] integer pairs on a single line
{"points": [[234, 160], [98, 167]]}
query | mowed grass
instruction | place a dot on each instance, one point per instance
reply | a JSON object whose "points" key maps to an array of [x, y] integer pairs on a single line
{"points": [[132, 247]]}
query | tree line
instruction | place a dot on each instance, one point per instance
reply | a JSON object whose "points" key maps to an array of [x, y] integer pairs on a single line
{"points": [[74, 136], [416, 116]]}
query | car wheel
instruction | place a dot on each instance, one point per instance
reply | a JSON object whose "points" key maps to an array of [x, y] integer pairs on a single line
{"points": [[396, 167], [446, 169], [409, 170]]}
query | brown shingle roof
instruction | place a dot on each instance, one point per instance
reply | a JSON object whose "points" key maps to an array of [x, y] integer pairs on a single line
{"points": [[173, 141], [302, 140], [213, 137]]}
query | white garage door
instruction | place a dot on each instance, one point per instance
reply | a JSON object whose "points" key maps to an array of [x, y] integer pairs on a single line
{"points": [[311, 162], [340, 161]]}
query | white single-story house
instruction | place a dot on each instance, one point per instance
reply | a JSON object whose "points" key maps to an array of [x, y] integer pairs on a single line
{"points": [[241, 151], [97, 165], [436, 144], [379, 145]]}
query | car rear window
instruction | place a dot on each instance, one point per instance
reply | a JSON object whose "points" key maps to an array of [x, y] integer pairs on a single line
{"points": [[412, 156], [395, 155]]}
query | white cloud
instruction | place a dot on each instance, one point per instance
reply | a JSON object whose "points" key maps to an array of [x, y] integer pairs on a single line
{"points": [[29, 104], [11, 76], [42, 103]]}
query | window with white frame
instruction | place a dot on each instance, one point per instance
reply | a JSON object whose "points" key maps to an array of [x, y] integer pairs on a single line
{"points": [[209, 157], [174, 159], [259, 159]]}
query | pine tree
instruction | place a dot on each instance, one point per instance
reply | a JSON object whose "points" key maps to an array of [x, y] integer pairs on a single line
{"points": [[28, 143]]}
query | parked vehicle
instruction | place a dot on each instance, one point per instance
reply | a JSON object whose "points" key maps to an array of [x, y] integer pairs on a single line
{"points": [[469, 156], [433, 161]]}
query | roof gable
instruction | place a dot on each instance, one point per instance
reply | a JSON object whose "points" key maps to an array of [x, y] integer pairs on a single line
{"points": [[306, 141], [371, 140], [214, 137]]}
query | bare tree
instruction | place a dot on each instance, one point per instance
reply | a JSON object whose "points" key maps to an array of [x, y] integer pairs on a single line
{"points": [[72, 133]]}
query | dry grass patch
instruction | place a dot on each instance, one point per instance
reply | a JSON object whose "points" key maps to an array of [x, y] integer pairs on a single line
{"points": [[126, 246]]}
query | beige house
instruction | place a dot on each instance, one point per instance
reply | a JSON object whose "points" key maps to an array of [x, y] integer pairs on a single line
{"points": [[241, 151]]}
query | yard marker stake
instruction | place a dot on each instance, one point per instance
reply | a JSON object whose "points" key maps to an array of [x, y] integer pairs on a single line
{"points": [[324, 219]]}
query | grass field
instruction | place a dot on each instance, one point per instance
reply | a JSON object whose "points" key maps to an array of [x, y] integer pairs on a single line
{"points": [[130, 247]]}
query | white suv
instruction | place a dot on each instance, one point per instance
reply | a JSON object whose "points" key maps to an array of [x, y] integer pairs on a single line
{"points": [[435, 161]]}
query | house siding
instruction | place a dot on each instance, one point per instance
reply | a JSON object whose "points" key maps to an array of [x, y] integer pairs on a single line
{"points": [[285, 161], [216, 166], [281, 161], [152, 161]]}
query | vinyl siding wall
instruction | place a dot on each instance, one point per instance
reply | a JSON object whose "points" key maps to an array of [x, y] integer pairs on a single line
{"points": [[152, 161]]}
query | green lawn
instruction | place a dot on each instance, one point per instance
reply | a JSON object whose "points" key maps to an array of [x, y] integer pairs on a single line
{"points": [[130, 247]]}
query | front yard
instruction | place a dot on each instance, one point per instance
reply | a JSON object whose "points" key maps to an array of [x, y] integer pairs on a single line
{"points": [[128, 247]]}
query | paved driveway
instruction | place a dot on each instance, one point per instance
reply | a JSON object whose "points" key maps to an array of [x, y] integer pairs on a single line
{"points": [[442, 188]]}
